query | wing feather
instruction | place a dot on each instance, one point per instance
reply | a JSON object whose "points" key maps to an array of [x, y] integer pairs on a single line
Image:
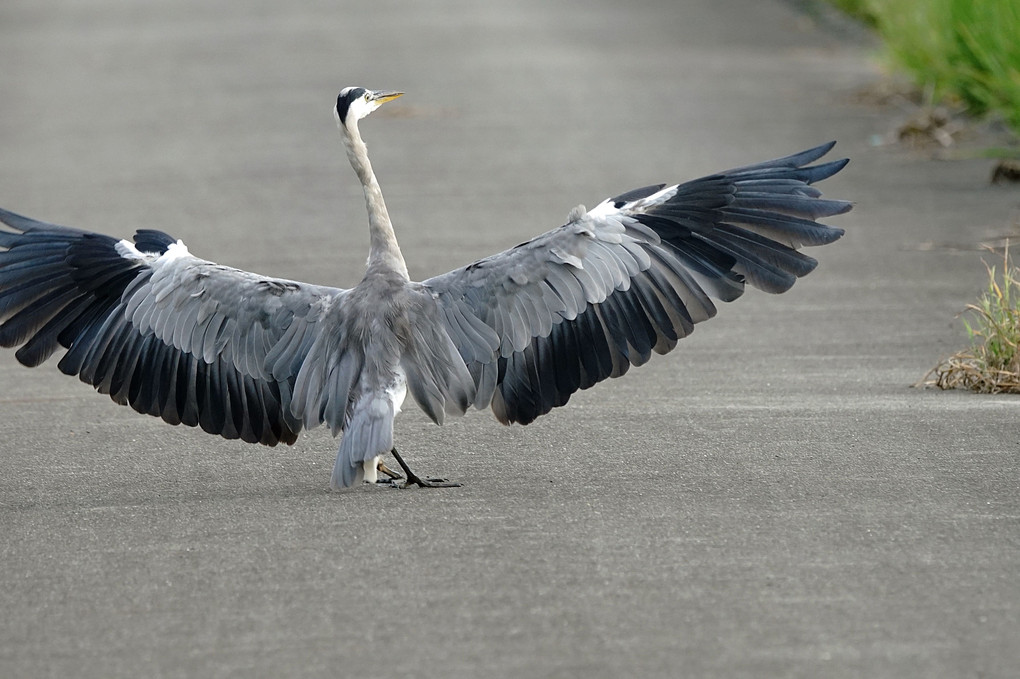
{"points": [[584, 302], [167, 333]]}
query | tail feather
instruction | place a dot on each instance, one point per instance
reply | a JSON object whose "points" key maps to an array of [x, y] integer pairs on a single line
{"points": [[367, 435]]}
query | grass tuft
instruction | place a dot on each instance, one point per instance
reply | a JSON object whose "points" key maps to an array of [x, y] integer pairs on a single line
{"points": [[964, 51], [992, 364]]}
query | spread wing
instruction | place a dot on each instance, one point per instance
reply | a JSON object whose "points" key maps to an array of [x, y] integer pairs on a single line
{"points": [[586, 301], [167, 333]]}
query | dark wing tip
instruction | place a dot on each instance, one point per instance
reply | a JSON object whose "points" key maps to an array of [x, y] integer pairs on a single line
{"points": [[635, 194], [792, 161], [25, 224]]}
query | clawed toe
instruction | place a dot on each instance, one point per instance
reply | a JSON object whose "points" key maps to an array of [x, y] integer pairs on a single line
{"points": [[429, 483], [414, 480]]}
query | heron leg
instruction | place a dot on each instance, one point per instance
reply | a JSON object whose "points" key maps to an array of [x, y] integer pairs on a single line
{"points": [[383, 469], [413, 479]]}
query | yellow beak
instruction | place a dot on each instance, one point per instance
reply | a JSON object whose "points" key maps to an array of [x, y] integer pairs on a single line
{"points": [[383, 96]]}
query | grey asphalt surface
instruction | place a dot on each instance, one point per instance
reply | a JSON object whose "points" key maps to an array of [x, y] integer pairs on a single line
{"points": [[770, 500]]}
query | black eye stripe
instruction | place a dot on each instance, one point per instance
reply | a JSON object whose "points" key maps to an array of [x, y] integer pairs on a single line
{"points": [[343, 102]]}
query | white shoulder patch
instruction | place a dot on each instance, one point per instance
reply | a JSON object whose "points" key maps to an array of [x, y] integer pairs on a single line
{"points": [[127, 250], [604, 209], [176, 251], [657, 198]]}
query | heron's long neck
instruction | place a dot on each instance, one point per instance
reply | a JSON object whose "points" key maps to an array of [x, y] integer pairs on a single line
{"points": [[384, 253]]}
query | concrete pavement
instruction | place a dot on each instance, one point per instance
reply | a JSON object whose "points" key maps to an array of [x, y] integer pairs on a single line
{"points": [[770, 500]]}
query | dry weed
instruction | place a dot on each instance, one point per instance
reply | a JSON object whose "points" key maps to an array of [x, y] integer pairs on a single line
{"points": [[992, 364]]}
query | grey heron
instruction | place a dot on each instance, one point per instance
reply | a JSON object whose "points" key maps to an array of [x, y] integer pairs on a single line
{"points": [[258, 358]]}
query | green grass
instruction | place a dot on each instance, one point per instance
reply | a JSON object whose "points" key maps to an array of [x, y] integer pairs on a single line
{"points": [[963, 50], [992, 364], [856, 8]]}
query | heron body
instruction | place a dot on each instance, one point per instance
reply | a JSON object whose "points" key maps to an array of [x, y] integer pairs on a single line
{"points": [[257, 358]]}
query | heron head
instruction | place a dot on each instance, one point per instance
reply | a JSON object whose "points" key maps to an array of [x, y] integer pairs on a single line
{"points": [[354, 103]]}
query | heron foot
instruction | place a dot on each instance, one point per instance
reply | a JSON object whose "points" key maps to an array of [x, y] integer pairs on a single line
{"points": [[414, 480], [428, 483]]}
